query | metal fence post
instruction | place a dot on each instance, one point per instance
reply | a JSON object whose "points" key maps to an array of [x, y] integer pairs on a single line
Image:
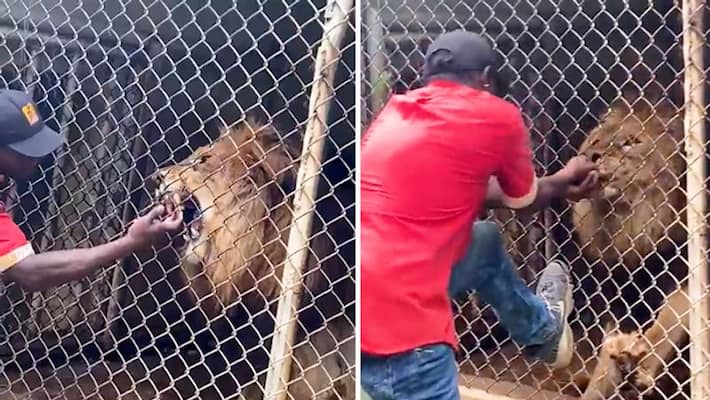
{"points": [[334, 28], [694, 124]]}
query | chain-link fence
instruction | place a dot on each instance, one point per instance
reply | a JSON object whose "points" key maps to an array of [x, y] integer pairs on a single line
{"points": [[603, 79], [202, 106]]}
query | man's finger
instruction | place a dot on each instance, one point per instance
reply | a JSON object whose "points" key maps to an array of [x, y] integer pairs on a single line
{"points": [[588, 187], [583, 173], [584, 187], [588, 181], [594, 176], [170, 226], [590, 166], [173, 222], [156, 212]]}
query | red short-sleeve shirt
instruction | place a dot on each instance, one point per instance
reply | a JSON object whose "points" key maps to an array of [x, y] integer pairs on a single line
{"points": [[14, 246], [426, 161]]}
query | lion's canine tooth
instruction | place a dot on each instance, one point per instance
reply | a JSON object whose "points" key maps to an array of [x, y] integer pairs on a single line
{"points": [[194, 232], [610, 192]]}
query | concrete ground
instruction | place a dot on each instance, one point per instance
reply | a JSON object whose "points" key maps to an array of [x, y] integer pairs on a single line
{"points": [[102, 381], [152, 378], [506, 369]]}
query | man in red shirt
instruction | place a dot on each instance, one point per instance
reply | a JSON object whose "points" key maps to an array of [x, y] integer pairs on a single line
{"points": [[430, 162], [24, 142]]}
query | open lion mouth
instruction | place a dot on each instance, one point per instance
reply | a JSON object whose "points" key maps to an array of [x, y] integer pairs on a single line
{"points": [[191, 212]]}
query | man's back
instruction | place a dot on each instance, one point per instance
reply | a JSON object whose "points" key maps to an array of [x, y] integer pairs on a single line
{"points": [[426, 162]]}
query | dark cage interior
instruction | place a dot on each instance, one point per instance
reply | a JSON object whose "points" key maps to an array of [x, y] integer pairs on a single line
{"points": [[135, 88]]}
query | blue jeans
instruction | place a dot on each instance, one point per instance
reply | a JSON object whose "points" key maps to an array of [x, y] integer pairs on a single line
{"points": [[426, 373], [430, 372]]}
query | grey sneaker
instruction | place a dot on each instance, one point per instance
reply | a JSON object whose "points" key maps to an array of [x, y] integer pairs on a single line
{"points": [[555, 288]]}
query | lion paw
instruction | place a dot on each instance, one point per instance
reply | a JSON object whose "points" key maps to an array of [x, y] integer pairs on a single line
{"points": [[628, 351]]}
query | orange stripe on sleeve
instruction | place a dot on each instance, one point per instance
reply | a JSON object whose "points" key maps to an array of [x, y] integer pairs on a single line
{"points": [[9, 260]]}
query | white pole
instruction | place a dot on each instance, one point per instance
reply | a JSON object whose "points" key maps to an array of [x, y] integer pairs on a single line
{"points": [[334, 28], [377, 78], [696, 213]]}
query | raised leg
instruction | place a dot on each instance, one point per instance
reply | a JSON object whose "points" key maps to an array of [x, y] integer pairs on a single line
{"points": [[537, 321]]}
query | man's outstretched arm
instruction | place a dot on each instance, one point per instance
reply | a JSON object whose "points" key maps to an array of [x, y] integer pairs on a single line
{"points": [[576, 180], [42, 271], [518, 188]]}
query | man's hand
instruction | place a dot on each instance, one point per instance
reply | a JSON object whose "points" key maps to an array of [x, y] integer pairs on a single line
{"points": [[577, 170], [44, 270], [585, 189], [147, 229], [581, 176]]}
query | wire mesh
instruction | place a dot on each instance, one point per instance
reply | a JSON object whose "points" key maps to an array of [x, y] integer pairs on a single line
{"points": [[604, 79], [201, 105]]}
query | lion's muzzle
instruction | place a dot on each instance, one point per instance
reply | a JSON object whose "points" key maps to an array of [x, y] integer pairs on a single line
{"points": [[175, 197]]}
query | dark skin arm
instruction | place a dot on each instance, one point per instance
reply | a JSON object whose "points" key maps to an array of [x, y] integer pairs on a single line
{"points": [[575, 181], [42, 271]]}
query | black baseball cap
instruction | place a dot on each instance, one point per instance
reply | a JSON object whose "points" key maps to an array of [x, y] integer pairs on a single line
{"points": [[458, 51], [22, 128]]}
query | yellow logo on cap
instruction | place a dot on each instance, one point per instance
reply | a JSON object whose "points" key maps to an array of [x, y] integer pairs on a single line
{"points": [[30, 113]]}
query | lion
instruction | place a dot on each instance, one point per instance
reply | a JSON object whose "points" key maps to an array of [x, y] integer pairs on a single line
{"points": [[633, 361], [638, 213], [235, 198], [618, 366], [638, 150]]}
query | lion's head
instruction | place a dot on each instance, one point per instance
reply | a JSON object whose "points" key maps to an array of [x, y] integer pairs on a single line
{"points": [[639, 152], [234, 196]]}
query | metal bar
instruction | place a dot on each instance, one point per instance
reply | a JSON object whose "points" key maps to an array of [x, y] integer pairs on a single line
{"points": [[120, 273], [30, 77], [696, 211], [68, 115], [322, 93], [376, 66]]}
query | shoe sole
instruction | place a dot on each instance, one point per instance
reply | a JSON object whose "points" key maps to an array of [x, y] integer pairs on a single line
{"points": [[565, 348]]}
